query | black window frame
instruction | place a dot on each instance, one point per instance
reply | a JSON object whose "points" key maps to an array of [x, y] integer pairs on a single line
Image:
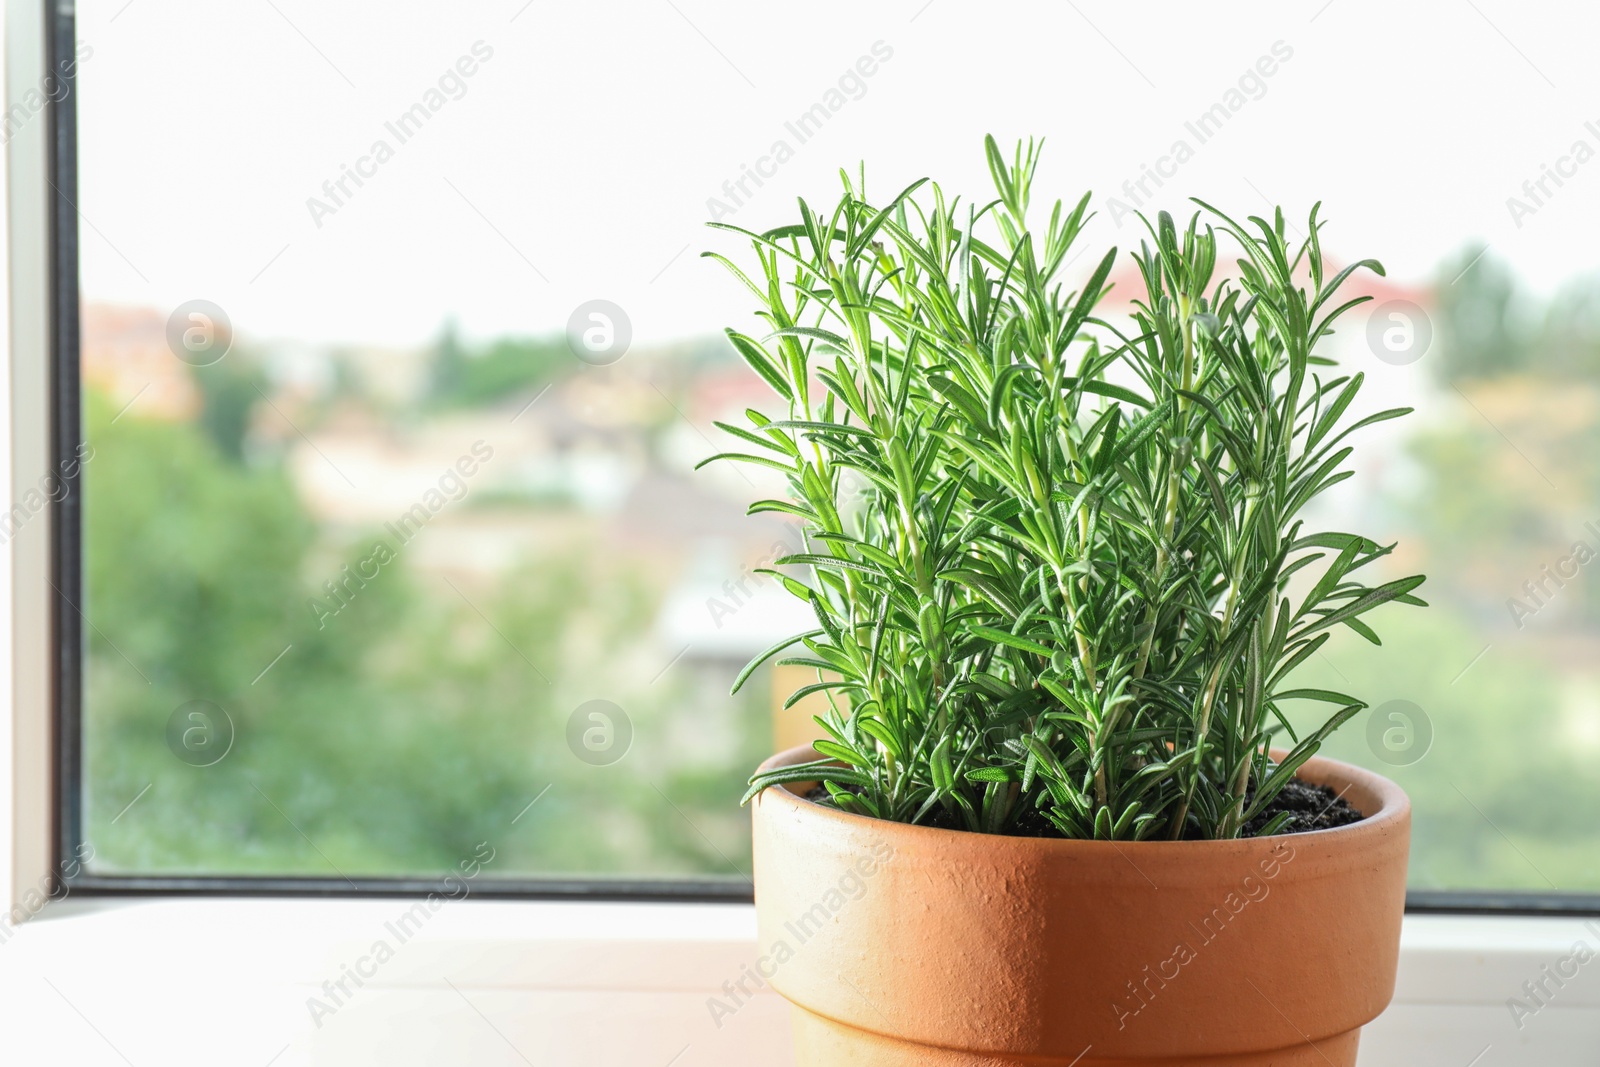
{"points": [[68, 634]]}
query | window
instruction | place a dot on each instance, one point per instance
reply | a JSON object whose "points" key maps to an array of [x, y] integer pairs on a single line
{"points": [[380, 535]]}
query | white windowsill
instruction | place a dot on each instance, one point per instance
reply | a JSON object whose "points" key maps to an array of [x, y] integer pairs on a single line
{"points": [[175, 981]]}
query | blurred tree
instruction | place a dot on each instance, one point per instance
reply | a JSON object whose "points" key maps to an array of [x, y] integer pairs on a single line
{"points": [[1485, 511], [468, 377], [389, 738], [228, 390], [448, 369], [1568, 343], [1482, 329]]}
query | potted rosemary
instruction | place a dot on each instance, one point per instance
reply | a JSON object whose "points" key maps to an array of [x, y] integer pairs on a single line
{"points": [[1060, 815]]}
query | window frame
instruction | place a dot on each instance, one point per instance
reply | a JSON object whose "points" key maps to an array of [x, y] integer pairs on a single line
{"points": [[47, 663], [55, 680]]}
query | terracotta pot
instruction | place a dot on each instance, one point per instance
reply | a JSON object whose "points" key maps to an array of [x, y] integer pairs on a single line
{"points": [[905, 946]]}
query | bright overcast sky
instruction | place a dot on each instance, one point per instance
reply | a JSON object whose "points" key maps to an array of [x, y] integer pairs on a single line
{"points": [[579, 161]]}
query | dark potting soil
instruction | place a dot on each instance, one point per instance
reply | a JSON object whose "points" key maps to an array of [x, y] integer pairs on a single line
{"points": [[1310, 807]]}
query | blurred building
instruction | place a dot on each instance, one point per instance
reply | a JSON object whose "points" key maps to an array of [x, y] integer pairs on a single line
{"points": [[125, 355]]}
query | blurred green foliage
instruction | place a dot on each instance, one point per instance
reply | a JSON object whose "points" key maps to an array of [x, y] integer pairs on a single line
{"points": [[1505, 477], [1504, 797], [467, 376], [1481, 329], [1490, 327], [395, 736]]}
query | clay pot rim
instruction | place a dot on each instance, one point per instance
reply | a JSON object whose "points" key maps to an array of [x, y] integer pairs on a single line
{"points": [[1393, 807]]}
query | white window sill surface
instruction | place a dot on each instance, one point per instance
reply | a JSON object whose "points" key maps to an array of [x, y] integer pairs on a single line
{"points": [[239, 980]]}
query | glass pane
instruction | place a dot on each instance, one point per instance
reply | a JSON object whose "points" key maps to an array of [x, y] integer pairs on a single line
{"points": [[399, 355]]}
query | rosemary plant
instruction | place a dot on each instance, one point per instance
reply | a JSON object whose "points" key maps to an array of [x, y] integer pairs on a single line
{"points": [[1064, 596]]}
